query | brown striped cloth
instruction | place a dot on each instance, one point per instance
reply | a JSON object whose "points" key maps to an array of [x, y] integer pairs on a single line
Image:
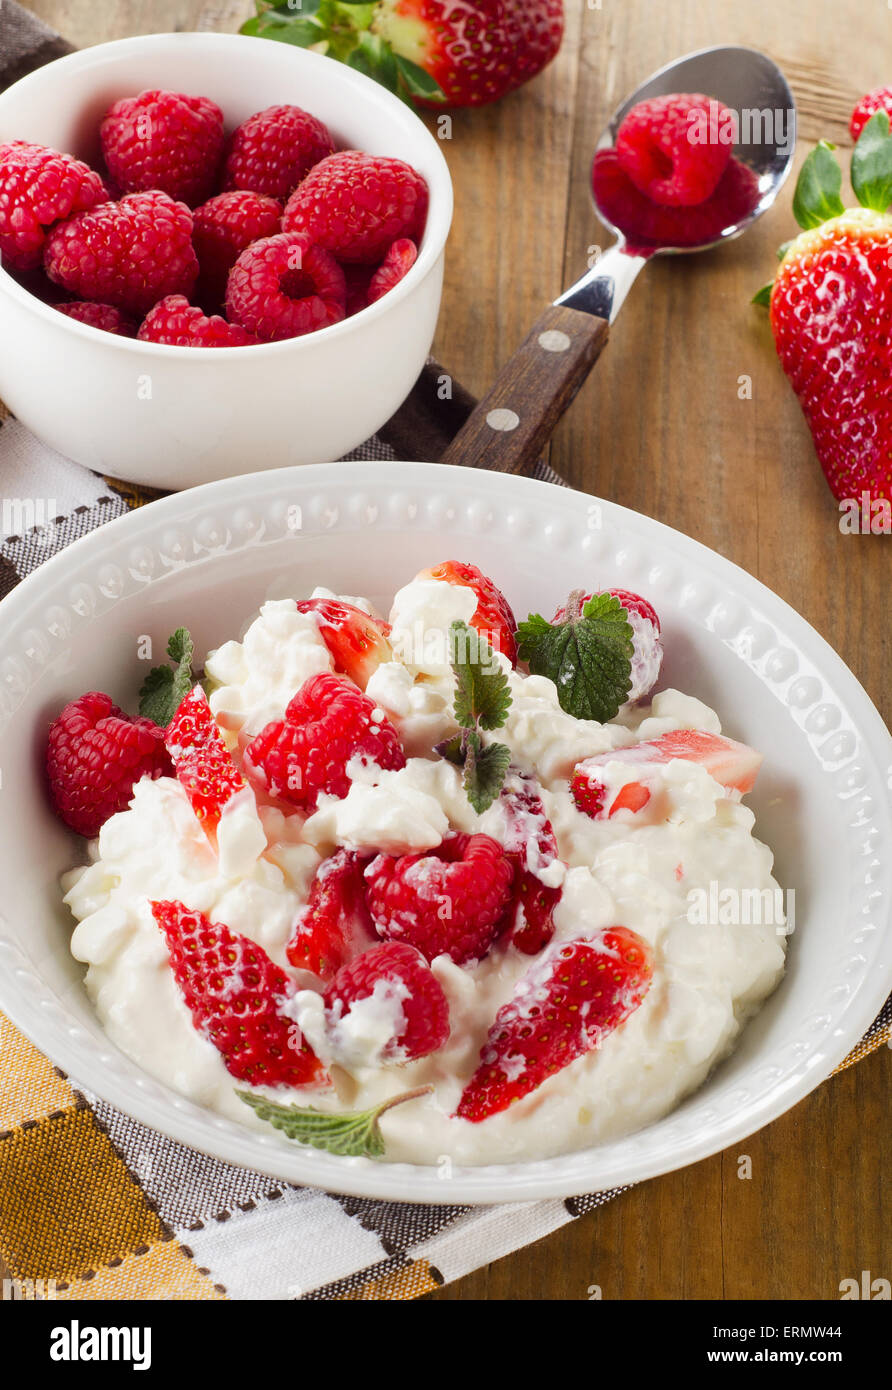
{"points": [[94, 1205]]}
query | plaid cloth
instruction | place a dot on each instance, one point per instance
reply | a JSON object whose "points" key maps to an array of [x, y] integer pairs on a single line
{"points": [[94, 1205]]}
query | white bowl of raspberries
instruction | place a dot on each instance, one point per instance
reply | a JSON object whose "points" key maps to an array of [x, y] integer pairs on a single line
{"points": [[216, 254]]}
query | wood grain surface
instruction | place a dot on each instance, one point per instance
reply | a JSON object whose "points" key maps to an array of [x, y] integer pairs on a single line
{"points": [[688, 418]]}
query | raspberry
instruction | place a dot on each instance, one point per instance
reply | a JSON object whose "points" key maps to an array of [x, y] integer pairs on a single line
{"points": [[104, 316], [235, 994], [222, 228], [95, 755], [285, 286], [357, 279], [39, 186], [646, 224], [400, 258], [335, 924], [449, 900], [164, 140], [327, 723], [647, 645], [129, 254], [492, 617], [569, 1000], [397, 974], [274, 149], [356, 204], [878, 100], [177, 322], [657, 148]]}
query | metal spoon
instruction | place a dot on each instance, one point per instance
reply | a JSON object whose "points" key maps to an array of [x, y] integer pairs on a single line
{"points": [[508, 429]]}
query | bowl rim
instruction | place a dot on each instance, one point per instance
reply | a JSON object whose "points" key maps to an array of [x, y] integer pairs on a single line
{"points": [[523, 1180], [436, 232]]}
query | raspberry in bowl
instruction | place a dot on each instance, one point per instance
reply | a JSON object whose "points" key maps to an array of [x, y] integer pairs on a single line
{"points": [[187, 157]]}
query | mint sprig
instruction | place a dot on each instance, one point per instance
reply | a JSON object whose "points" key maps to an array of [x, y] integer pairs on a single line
{"points": [[166, 686], [482, 701], [350, 1133], [872, 164], [588, 655]]}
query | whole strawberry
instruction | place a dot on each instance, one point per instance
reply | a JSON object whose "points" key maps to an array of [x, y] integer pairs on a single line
{"points": [[455, 52], [95, 755], [164, 140], [831, 314], [128, 254]]}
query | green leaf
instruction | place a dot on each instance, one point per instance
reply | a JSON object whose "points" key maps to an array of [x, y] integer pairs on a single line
{"points": [[453, 749], [588, 656], [817, 195], [165, 686], [872, 164], [418, 83], [784, 248], [485, 768], [352, 1133], [763, 296], [482, 696]]}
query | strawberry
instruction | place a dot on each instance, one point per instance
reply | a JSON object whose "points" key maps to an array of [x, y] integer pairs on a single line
{"points": [[460, 52], [732, 764], [531, 846], [570, 999], [335, 925], [202, 761], [357, 642], [493, 617], [647, 645], [235, 995], [831, 314]]}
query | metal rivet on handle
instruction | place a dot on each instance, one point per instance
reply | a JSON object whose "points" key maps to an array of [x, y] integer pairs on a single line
{"points": [[553, 340], [502, 420]]}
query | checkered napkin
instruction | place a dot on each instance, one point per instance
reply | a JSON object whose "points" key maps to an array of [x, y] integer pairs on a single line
{"points": [[93, 1204]]}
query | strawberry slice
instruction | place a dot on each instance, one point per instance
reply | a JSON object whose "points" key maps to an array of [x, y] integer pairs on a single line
{"points": [[732, 764], [531, 846], [235, 994], [357, 642], [335, 926], [493, 617], [570, 999], [202, 762]]}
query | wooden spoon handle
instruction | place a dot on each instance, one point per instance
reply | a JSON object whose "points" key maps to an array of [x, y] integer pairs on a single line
{"points": [[508, 430]]}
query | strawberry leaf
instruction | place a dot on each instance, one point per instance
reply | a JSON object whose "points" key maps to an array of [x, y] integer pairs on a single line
{"points": [[763, 296], [166, 686], [817, 197], [485, 768], [418, 83], [588, 656], [872, 164], [354, 1133]]}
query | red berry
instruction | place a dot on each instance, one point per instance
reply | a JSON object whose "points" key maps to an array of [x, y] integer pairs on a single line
{"points": [[400, 258], [285, 286], [449, 900], [335, 925], [425, 1013], [355, 205], [565, 1005], [732, 764], [95, 755], [164, 140], [493, 617], [357, 279], [647, 646], [647, 225], [235, 994], [129, 254], [328, 723], [658, 148], [274, 149], [202, 761], [223, 228], [104, 316], [38, 187], [531, 845], [880, 99], [358, 643], [179, 324]]}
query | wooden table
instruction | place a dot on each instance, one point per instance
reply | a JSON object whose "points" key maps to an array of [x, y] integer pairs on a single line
{"points": [[661, 427]]}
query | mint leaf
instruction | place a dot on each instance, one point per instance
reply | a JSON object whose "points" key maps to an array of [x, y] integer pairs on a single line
{"points": [[588, 656], [352, 1133], [763, 296], [872, 164], [485, 768], [165, 686], [482, 696], [818, 188]]}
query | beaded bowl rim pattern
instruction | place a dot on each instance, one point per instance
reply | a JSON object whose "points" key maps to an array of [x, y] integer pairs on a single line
{"points": [[849, 751]]}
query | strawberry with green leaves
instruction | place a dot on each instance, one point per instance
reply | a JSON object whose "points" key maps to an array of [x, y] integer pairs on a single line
{"points": [[831, 313]]}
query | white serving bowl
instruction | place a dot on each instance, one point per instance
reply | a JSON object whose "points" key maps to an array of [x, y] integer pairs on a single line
{"points": [[208, 558], [174, 417]]}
